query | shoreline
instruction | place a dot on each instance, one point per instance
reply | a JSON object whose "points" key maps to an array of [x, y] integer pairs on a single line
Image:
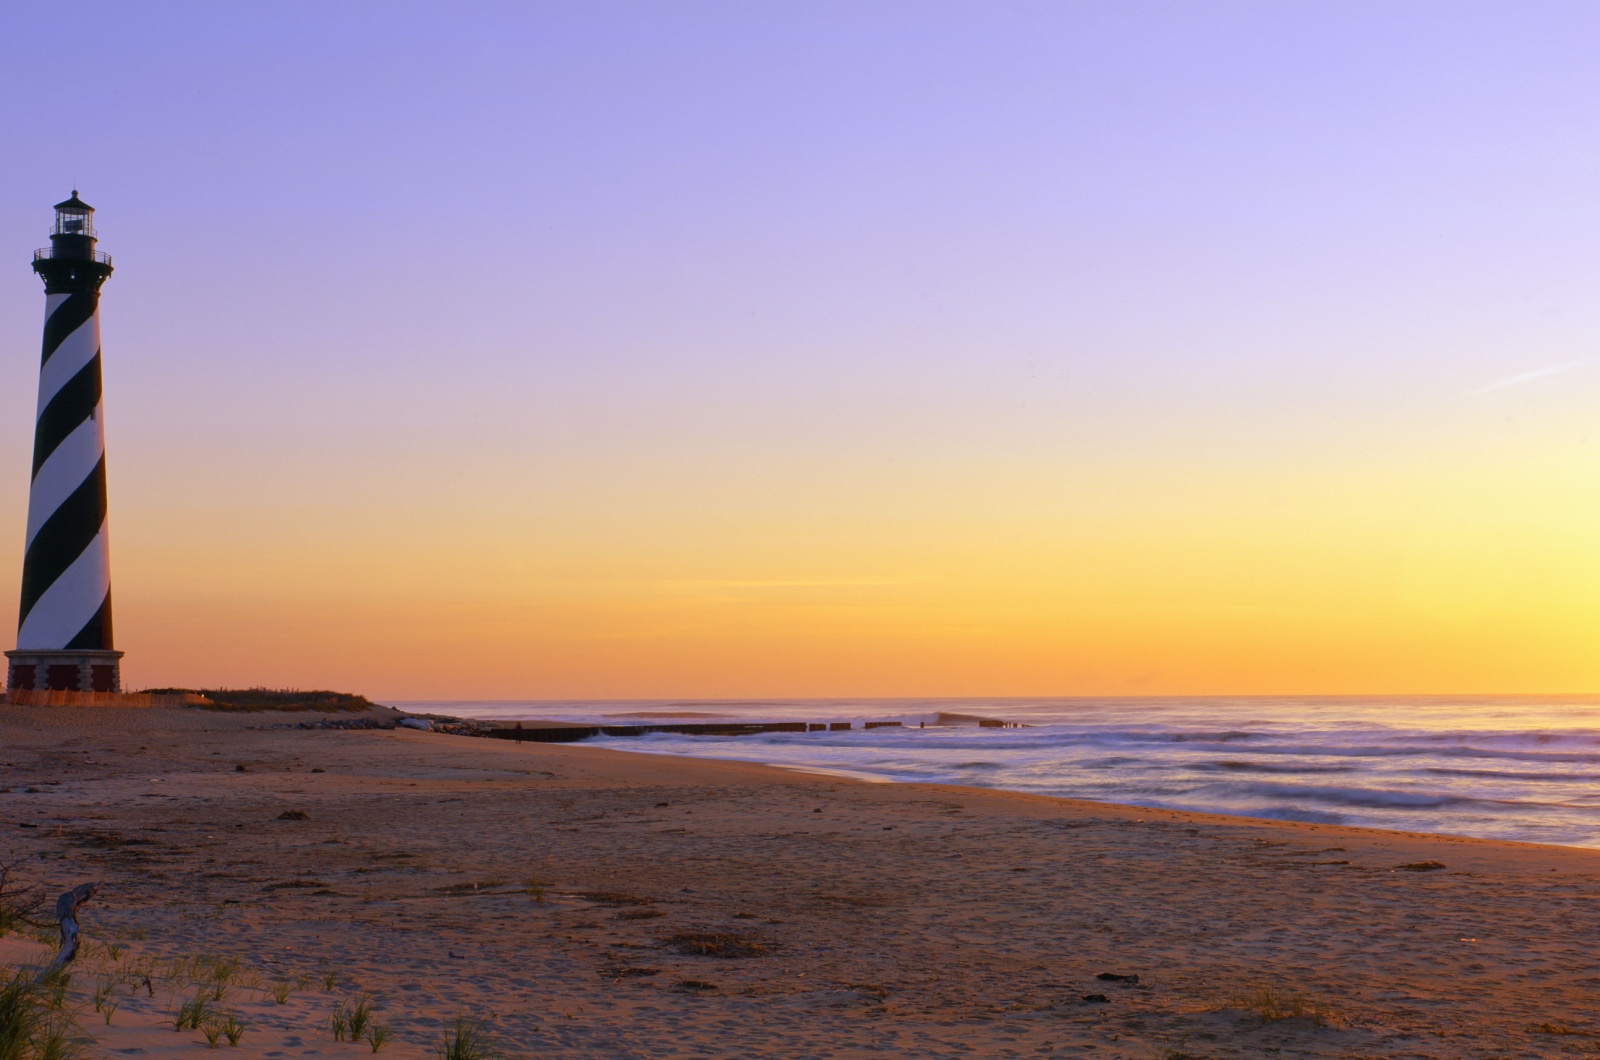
{"points": [[863, 776], [581, 893], [1141, 814]]}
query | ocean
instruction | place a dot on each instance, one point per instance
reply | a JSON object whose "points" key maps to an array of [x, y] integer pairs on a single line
{"points": [[1497, 767]]}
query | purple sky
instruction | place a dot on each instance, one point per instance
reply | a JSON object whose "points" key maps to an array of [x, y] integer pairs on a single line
{"points": [[409, 271]]}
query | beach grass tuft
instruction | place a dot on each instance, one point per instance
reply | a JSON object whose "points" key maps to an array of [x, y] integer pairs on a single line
{"points": [[356, 1017], [232, 1029], [466, 1040], [351, 1019], [34, 1024], [21, 1016], [191, 1013], [58, 1039]]}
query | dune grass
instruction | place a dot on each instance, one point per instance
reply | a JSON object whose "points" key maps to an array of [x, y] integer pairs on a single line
{"points": [[352, 1019], [34, 1022], [466, 1040], [252, 700]]}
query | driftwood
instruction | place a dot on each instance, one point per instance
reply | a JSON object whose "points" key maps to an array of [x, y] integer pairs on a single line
{"points": [[67, 916]]}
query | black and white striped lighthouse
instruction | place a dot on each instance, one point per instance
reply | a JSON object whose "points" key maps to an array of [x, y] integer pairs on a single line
{"points": [[64, 628]]}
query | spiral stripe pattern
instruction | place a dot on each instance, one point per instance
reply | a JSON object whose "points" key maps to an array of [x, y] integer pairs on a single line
{"points": [[66, 569]]}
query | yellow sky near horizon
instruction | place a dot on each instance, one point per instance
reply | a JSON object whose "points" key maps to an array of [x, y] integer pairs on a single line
{"points": [[1390, 564]]}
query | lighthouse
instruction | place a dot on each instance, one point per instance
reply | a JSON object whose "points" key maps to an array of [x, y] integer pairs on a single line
{"points": [[64, 625]]}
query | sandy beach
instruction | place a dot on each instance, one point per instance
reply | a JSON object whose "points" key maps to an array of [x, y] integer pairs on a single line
{"points": [[586, 902]]}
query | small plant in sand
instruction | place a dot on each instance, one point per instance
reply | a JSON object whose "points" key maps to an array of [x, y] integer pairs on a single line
{"points": [[465, 1041], [212, 1030], [222, 969], [360, 1017], [351, 1019], [192, 1013], [329, 977], [1270, 1004], [378, 1036], [232, 1029], [534, 887], [108, 1009], [279, 991]]}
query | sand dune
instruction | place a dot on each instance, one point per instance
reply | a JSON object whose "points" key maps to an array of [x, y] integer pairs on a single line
{"points": [[860, 919]]}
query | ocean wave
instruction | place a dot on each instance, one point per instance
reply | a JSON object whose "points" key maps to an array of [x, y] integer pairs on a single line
{"points": [[1263, 767], [1332, 749], [1506, 774], [1375, 798]]}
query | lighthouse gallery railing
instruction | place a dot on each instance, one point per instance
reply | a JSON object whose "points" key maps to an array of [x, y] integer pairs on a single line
{"points": [[47, 253]]}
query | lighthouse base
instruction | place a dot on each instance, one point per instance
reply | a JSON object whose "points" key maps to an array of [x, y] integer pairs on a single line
{"points": [[64, 671]]}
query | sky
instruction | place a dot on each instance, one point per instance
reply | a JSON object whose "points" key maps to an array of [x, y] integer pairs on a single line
{"points": [[711, 350]]}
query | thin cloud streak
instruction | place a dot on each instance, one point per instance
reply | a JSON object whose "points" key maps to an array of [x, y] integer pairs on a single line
{"points": [[1528, 377]]}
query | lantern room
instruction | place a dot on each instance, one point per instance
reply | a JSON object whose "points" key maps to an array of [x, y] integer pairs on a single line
{"points": [[73, 234]]}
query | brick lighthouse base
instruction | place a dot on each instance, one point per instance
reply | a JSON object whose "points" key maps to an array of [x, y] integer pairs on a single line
{"points": [[64, 671]]}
